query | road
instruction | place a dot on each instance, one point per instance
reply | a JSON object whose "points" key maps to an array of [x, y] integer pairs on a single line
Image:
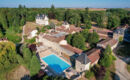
{"points": [[121, 70]]}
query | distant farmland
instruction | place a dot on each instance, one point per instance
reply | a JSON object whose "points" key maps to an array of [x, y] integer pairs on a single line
{"points": [[91, 9]]}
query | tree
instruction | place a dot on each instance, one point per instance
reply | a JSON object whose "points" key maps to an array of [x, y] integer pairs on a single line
{"points": [[93, 38], [27, 55], [126, 20], [78, 41], [69, 38], [52, 8], [107, 75], [113, 21], [52, 12], [108, 50], [7, 56], [20, 59], [100, 20], [107, 57], [12, 36], [74, 18], [85, 34], [89, 74], [23, 21], [1, 34], [34, 66], [68, 14], [106, 61], [3, 19], [87, 19]]}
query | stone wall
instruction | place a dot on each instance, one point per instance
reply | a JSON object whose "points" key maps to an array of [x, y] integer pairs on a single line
{"points": [[42, 22], [55, 46], [81, 67]]}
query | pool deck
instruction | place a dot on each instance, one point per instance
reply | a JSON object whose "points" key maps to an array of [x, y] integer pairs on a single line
{"points": [[48, 51]]}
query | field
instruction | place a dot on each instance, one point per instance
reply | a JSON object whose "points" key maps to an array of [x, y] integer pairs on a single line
{"points": [[30, 26], [91, 9]]}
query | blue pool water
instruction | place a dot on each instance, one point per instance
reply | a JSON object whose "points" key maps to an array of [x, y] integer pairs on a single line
{"points": [[56, 63]]}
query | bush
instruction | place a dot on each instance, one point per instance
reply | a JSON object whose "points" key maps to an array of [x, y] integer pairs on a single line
{"points": [[13, 36], [34, 66], [128, 67], [31, 40], [107, 75], [89, 74], [120, 39], [106, 61]]}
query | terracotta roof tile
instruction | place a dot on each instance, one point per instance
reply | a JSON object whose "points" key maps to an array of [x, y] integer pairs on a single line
{"points": [[101, 31], [108, 41], [54, 39], [73, 49], [71, 29], [93, 55]]}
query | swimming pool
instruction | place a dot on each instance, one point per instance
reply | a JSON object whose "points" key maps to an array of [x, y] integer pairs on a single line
{"points": [[55, 63]]}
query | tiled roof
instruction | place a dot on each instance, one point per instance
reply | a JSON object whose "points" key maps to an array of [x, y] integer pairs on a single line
{"points": [[71, 29], [108, 41], [101, 31], [93, 55], [54, 39], [83, 59], [73, 49]]}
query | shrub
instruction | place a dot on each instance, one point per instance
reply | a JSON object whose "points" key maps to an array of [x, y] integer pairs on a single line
{"points": [[107, 75], [34, 66], [89, 74], [31, 40]]}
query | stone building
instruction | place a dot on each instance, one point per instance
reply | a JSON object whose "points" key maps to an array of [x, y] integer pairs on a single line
{"points": [[66, 25], [109, 41], [82, 63], [42, 19], [119, 32], [103, 33], [32, 34], [60, 46], [93, 55]]}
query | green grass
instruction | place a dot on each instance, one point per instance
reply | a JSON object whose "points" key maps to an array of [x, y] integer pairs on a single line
{"points": [[128, 68], [3, 73]]}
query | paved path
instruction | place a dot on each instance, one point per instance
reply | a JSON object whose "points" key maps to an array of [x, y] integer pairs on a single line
{"points": [[121, 71]]}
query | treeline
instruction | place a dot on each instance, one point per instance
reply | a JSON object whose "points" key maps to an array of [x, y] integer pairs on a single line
{"points": [[10, 57], [105, 68], [12, 19], [80, 40]]}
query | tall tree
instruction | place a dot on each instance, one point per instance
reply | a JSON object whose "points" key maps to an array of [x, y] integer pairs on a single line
{"points": [[87, 19], [100, 20], [78, 41], [3, 19], [69, 39], [52, 12], [85, 34], [93, 38], [113, 21], [34, 66]]}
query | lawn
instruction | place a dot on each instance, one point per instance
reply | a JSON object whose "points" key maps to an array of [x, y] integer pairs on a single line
{"points": [[128, 67], [112, 71]]}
